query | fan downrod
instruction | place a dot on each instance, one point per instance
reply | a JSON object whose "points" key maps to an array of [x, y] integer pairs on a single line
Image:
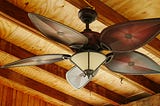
{"points": [[87, 15]]}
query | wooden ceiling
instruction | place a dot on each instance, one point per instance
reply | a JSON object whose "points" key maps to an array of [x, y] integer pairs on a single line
{"points": [[20, 39]]}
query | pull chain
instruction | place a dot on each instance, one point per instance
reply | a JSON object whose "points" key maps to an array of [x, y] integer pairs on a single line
{"points": [[121, 80], [89, 4]]}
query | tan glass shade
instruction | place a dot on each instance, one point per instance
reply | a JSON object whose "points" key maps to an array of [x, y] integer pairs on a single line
{"points": [[88, 60]]}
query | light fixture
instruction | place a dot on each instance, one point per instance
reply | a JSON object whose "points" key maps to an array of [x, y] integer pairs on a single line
{"points": [[86, 67], [88, 61]]}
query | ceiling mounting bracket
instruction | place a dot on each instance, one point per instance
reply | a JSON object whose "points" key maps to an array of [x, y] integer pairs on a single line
{"points": [[87, 15]]}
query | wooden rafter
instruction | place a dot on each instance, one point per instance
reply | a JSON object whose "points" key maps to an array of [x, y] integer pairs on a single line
{"points": [[145, 83]]}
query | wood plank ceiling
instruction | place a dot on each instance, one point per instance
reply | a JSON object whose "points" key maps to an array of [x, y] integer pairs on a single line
{"points": [[20, 39]]}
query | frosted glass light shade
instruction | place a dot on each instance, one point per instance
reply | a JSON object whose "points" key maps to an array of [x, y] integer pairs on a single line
{"points": [[77, 78], [88, 60]]}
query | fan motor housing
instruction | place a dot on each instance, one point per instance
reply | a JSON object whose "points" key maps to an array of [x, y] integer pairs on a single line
{"points": [[93, 40]]}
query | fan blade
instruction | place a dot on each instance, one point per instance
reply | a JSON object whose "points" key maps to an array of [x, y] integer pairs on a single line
{"points": [[37, 60], [133, 63], [130, 35], [57, 31], [77, 78]]}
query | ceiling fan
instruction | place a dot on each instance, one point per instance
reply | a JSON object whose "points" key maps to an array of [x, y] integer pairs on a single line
{"points": [[113, 47]]}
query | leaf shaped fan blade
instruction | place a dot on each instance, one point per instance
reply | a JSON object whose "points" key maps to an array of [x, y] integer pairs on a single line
{"points": [[133, 63], [77, 78], [37, 60], [57, 31], [130, 35]]}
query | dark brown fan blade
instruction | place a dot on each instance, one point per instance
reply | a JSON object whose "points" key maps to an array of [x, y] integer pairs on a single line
{"points": [[37, 60], [133, 63], [130, 35], [57, 31]]}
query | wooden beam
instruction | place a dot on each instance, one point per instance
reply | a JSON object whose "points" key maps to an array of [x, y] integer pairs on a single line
{"points": [[149, 101], [55, 69], [15, 12], [108, 16], [105, 92], [40, 87], [12, 10], [151, 47], [145, 83]]}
